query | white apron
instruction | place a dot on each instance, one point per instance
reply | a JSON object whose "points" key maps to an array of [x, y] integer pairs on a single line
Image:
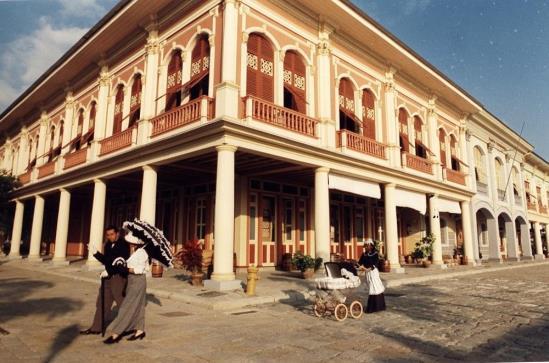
{"points": [[373, 282]]}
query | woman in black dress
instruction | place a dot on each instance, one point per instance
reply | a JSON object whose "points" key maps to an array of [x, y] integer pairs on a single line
{"points": [[369, 261]]}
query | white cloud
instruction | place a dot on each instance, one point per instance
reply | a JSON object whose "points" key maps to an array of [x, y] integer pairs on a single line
{"points": [[81, 8]]}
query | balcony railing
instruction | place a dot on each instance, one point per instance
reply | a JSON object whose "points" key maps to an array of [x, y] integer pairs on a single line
{"points": [[415, 162], [270, 113], [75, 158], [532, 206], [360, 143], [201, 108], [482, 188], [119, 141], [455, 176], [25, 178], [46, 169]]}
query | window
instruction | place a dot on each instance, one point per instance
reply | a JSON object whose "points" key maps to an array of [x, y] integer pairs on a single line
{"points": [[260, 68], [173, 84], [368, 114], [294, 82], [118, 109], [200, 66], [347, 118], [135, 101], [200, 219], [442, 142], [421, 150], [403, 130]]}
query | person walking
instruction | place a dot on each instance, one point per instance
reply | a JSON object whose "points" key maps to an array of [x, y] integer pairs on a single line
{"points": [[369, 261], [114, 283]]}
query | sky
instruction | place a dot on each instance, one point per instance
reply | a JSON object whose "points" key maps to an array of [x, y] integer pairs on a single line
{"points": [[497, 50]]}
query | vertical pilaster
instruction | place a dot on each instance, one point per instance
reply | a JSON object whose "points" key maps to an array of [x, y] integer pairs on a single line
{"points": [[43, 134], [62, 230], [322, 214], [150, 85], [97, 221], [36, 232], [393, 147], [101, 111], [17, 230], [70, 125], [432, 122], [327, 128]]}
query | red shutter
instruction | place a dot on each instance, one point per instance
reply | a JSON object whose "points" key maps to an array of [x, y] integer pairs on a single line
{"points": [[135, 100], [260, 69], [442, 142], [294, 79], [200, 63], [368, 114], [174, 73], [118, 108], [346, 95]]}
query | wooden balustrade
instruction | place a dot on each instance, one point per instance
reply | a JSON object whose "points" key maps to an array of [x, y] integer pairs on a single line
{"points": [[25, 177], [117, 142], [417, 163], [455, 176], [46, 169], [75, 158], [182, 115], [360, 143], [280, 116]]}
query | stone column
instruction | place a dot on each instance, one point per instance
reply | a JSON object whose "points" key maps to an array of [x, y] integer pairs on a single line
{"points": [[537, 238], [17, 230], [148, 110], [525, 241], [36, 232], [393, 146], [97, 221], [322, 214], [391, 228], [327, 127], [493, 240], [432, 121], [147, 212], [24, 150], [493, 180], [62, 230], [223, 277], [43, 135], [434, 223], [467, 233], [70, 126], [100, 126]]}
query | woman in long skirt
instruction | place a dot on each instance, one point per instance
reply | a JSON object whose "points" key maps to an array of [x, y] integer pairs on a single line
{"points": [[131, 316], [369, 261]]}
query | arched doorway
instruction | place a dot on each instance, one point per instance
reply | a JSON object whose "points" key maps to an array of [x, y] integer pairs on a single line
{"points": [[523, 238], [507, 241], [487, 235]]}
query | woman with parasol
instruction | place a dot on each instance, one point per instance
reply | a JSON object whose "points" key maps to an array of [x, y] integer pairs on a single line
{"points": [[153, 245]]}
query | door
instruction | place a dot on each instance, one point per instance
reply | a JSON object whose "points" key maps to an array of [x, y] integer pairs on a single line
{"points": [[288, 226], [334, 229], [268, 230], [346, 225]]}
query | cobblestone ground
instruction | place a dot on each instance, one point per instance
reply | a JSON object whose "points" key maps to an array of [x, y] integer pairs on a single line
{"points": [[485, 317]]}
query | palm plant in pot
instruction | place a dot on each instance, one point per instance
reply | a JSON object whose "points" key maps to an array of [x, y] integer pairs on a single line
{"points": [[424, 249], [306, 264], [191, 260]]}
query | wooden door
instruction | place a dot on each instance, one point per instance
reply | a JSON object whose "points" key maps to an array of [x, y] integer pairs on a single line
{"points": [[267, 230]]}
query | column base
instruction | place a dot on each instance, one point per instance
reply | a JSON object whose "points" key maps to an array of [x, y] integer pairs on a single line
{"points": [[527, 258], [61, 261], [14, 257], [539, 257], [439, 265], [495, 260], [513, 259], [223, 285], [34, 258]]}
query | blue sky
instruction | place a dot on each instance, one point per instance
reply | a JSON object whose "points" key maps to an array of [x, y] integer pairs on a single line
{"points": [[498, 50]]}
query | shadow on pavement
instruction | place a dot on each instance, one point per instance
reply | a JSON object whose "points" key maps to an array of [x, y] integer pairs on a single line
{"points": [[64, 339]]}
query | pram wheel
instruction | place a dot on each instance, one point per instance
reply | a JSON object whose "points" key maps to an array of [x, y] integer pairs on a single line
{"points": [[319, 310], [340, 312], [356, 309]]}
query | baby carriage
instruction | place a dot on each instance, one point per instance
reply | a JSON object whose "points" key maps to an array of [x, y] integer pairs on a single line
{"points": [[336, 292]]}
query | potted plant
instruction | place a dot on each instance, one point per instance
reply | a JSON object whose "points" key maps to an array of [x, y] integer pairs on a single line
{"points": [[424, 249], [191, 260], [306, 264]]}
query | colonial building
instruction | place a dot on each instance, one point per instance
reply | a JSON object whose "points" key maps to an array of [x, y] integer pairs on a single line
{"points": [[260, 128]]}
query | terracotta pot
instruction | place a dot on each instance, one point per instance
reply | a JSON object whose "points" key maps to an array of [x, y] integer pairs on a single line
{"points": [[425, 263], [157, 270], [196, 278], [287, 262], [308, 273]]}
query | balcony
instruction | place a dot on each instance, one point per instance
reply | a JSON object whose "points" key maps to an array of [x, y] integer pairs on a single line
{"points": [[46, 169], [279, 116], [201, 109], [118, 142], [25, 178], [482, 188], [532, 206], [455, 176], [415, 162], [356, 142], [75, 158]]}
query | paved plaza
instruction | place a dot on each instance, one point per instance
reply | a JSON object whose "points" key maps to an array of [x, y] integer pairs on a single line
{"points": [[493, 316]]}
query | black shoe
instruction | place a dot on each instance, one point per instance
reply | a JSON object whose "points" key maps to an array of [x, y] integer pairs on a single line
{"points": [[128, 332], [111, 340], [137, 337], [89, 332]]}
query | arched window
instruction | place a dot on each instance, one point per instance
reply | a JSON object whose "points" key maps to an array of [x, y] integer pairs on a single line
{"points": [[295, 96], [173, 86], [135, 100], [347, 118], [480, 170], [403, 130], [260, 69], [454, 153], [200, 67], [368, 114], [118, 109], [442, 143], [500, 175], [421, 150]]}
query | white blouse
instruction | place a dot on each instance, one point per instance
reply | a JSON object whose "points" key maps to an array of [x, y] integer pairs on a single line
{"points": [[139, 262]]}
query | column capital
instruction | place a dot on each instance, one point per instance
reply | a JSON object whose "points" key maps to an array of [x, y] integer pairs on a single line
{"points": [[226, 147], [322, 169], [150, 167], [390, 185], [98, 181]]}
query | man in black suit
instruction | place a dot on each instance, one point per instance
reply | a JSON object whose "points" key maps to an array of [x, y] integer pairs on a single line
{"points": [[116, 248]]}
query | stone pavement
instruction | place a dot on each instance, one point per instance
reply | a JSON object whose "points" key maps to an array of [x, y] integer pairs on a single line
{"points": [[493, 316]]}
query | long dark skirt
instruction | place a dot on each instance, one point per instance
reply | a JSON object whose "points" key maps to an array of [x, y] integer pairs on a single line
{"points": [[375, 303]]}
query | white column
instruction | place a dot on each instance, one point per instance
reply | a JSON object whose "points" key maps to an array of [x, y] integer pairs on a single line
{"points": [[467, 233], [227, 98], [493, 180], [537, 238], [223, 277], [393, 146], [24, 151], [100, 126], [148, 110], [434, 222], [43, 134], [327, 128], [322, 214], [525, 241], [97, 221], [433, 138], [70, 126], [36, 232], [147, 212], [62, 230], [17, 230], [391, 233]]}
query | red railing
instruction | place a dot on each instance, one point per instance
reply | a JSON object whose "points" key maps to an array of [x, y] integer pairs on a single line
{"points": [[360, 143], [455, 176], [417, 163], [46, 169], [25, 177], [182, 115], [75, 158], [116, 142], [280, 116]]}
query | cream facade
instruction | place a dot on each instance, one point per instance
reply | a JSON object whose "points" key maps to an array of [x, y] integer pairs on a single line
{"points": [[259, 130]]}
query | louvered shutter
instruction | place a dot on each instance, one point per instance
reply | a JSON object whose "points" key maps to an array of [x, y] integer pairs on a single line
{"points": [[135, 100], [346, 97], [368, 114], [403, 129], [200, 62], [260, 68], [118, 108], [252, 69], [174, 73], [294, 79], [442, 142]]}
